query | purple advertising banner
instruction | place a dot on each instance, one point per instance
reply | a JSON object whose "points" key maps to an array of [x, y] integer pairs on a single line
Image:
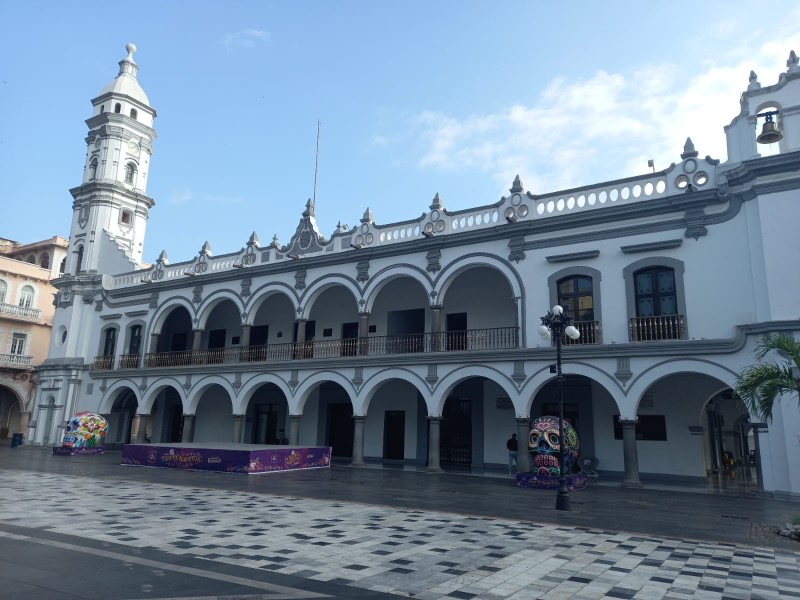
{"points": [[228, 460]]}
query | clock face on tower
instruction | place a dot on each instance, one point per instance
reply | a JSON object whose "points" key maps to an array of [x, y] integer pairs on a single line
{"points": [[133, 148]]}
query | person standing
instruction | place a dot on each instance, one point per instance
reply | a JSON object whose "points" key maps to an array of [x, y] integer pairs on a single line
{"points": [[511, 446]]}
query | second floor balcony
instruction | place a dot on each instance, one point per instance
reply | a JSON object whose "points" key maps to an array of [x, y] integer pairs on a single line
{"points": [[15, 360], [661, 327], [12, 311], [501, 338]]}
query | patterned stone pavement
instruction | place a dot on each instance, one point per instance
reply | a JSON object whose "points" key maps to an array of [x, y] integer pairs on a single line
{"points": [[411, 553]]}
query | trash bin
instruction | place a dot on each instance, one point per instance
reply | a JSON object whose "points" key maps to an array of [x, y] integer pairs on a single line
{"points": [[16, 440]]}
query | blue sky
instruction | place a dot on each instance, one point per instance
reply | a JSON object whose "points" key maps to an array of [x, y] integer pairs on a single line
{"points": [[415, 98]]}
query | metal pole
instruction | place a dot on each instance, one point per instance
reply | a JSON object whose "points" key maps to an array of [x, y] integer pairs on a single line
{"points": [[562, 499]]}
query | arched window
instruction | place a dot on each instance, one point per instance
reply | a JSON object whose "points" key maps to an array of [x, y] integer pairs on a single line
{"points": [[575, 295], [130, 173], [63, 266], [26, 296], [93, 169], [79, 260], [655, 292], [125, 217], [3, 290], [110, 342], [118, 108], [31, 259], [134, 114], [102, 108], [44, 261], [135, 345]]}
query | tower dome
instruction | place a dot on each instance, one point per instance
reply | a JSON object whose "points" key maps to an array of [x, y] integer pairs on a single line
{"points": [[125, 83]]}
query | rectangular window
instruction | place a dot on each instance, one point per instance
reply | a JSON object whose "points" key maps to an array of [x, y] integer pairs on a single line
{"points": [[652, 428], [18, 343]]}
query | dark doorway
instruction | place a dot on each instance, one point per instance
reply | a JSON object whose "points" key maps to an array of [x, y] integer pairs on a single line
{"points": [[456, 433], [216, 339], [457, 331], [177, 342], [265, 424], [340, 429], [259, 335], [405, 330], [349, 339], [394, 435], [174, 424]]}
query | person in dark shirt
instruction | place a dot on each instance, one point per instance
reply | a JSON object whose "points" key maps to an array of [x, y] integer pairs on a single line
{"points": [[511, 446]]}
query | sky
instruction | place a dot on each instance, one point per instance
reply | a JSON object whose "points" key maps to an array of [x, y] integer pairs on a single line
{"points": [[413, 98]]}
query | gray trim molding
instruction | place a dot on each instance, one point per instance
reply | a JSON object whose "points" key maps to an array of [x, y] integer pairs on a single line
{"points": [[652, 246], [572, 256]]}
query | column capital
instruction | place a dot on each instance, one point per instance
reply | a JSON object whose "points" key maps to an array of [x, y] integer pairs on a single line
{"points": [[433, 418], [359, 418]]}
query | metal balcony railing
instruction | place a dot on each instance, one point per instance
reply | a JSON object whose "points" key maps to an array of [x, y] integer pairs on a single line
{"points": [[128, 361], [663, 327], [590, 333], [103, 363], [501, 338], [15, 360], [19, 312]]}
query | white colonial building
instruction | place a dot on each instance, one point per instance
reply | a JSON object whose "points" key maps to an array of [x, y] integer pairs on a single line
{"points": [[416, 342]]}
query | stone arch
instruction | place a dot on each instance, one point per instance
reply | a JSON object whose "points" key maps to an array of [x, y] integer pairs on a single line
{"points": [[249, 388], [303, 391], [260, 295], [389, 274], [452, 379], [206, 307], [373, 384], [113, 392], [154, 389], [543, 376], [163, 311], [313, 292], [198, 389], [471, 261], [643, 381]]}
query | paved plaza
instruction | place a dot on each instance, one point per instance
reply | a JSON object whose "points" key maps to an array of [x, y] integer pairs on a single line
{"points": [[364, 533]]}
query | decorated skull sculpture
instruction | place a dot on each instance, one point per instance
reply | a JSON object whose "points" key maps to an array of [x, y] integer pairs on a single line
{"points": [[85, 430], [544, 446]]}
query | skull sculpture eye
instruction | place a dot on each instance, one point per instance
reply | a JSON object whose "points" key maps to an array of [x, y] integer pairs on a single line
{"points": [[553, 439]]}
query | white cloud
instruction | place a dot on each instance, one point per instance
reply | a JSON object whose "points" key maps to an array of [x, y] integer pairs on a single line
{"points": [[607, 126], [246, 38], [180, 197]]}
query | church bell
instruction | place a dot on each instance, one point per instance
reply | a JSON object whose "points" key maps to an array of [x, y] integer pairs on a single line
{"points": [[770, 132]]}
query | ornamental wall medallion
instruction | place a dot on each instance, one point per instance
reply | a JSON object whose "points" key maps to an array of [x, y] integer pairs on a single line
{"points": [[433, 257], [198, 294], [517, 246], [362, 271], [300, 279], [246, 283]]}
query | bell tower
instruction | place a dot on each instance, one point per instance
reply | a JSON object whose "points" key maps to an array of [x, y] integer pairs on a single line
{"points": [[111, 207]]}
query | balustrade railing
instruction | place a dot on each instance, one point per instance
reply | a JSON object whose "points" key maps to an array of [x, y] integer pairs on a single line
{"points": [[21, 312], [500, 338], [103, 363], [663, 327], [15, 360], [590, 333], [128, 361]]}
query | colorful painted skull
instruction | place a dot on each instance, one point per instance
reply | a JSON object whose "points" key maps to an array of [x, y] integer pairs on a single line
{"points": [[544, 446], [85, 430]]}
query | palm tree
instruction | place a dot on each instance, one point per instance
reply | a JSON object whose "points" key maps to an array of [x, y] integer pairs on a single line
{"points": [[759, 385]]}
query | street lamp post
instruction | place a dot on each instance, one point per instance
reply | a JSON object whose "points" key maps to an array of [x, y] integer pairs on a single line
{"points": [[557, 323]]}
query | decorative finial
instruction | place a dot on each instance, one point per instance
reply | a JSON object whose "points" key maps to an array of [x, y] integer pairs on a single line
{"points": [[688, 149], [205, 250], [437, 202], [754, 85], [368, 216], [131, 48], [793, 62], [516, 186], [275, 241], [253, 241], [309, 211], [163, 258]]}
